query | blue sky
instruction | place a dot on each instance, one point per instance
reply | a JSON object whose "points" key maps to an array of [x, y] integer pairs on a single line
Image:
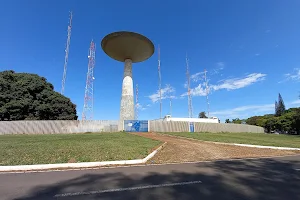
{"points": [[251, 50]]}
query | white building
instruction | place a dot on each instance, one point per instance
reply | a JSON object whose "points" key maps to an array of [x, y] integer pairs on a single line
{"points": [[168, 118]]}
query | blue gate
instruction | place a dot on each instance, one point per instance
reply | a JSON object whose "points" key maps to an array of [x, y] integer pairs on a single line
{"points": [[136, 125], [191, 127]]}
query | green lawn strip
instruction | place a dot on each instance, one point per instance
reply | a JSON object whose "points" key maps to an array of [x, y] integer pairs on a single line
{"points": [[246, 138], [63, 148]]}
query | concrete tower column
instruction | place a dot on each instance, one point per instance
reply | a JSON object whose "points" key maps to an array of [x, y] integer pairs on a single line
{"points": [[127, 100], [121, 46]]}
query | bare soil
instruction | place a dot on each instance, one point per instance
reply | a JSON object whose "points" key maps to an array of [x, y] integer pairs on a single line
{"points": [[186, 150]]}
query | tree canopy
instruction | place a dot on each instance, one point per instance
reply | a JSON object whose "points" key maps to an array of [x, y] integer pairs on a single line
{"points": [[202, 115], [27, 96], [236, 121]]}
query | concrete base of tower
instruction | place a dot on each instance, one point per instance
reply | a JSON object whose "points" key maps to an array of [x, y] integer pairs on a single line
{"points": [[127, 100]]}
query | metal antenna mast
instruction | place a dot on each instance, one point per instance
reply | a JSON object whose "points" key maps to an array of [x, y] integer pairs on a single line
{"points": [[67, 55], [136, 102], [189, 89], [170, 106], [159, 83], [206, 90], [87, 113]]}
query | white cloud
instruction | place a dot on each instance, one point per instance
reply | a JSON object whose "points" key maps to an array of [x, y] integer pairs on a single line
{"points": [[249, 110], [295, 102], [200, 90], [185, 85], [197, 77], [237, 83], [295, 76], [140, 106], [257, 54], [166, 92], [258, 108], [244, 111], [229, 84], [221, 65]]}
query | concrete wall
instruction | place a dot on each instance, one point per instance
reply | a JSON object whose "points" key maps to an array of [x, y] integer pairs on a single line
{"points": [[67, 126], [233, 128], [57, 126], [163, 126]]}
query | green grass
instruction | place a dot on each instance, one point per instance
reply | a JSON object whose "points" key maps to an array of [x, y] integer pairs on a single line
{"points": [[246, 138], [63, 148]]}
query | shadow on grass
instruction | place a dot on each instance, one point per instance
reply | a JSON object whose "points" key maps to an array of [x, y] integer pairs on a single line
{"points": [[227, 180]]}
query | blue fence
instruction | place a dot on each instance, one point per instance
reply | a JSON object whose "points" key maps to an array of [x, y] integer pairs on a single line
{"points": [[136, 125]]}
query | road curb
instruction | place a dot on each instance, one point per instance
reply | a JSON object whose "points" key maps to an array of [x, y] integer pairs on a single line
{"points": [[266, 147], [236, 144], [59, 166]]}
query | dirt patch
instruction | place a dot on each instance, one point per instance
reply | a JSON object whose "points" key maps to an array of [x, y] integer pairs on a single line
{"points": [[186, 150], [72, 160]]}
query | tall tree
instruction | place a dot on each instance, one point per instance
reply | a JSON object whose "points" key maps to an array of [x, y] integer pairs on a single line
{"points": [[237, 121], [227, 121], [280, 106], [202, 115], [276, 107], [26, 96]]}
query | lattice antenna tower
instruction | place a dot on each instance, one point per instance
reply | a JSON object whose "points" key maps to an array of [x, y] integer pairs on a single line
{"points": [[87, 113], [170, 106], [207, 91], [66, 55], [159, 84], [136, 102], [190, 106]]}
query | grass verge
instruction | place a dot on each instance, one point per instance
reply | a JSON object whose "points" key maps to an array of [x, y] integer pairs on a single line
{"points": [[246, 138], [64, 148]]}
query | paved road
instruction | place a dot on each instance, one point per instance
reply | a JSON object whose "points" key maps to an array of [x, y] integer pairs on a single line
{"points": [[276, 178]]}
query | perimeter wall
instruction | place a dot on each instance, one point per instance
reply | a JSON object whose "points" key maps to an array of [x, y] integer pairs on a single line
{"points": [[57, 126], [163, 126], [69, 126]]}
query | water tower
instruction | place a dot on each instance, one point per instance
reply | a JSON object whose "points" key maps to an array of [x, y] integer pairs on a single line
{"points": [[127, 47]]}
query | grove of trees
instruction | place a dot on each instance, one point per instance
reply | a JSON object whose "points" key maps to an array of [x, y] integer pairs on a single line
{"points": [[288, 122], [282, 121], [25, 96]]}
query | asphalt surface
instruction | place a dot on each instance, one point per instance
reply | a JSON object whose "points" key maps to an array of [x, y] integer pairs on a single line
{"points": [[268, 178]]}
